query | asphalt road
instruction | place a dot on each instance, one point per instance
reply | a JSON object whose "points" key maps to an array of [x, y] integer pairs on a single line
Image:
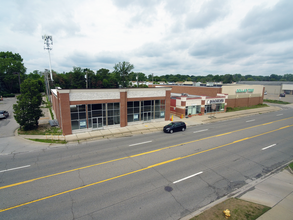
{"points": [[153, 176]]}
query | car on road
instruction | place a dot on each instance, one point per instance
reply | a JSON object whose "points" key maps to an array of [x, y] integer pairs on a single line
{"points": [[175, 126], [4, 114], [282, 94]]}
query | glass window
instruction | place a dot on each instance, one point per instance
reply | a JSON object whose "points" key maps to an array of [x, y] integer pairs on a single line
{"points": [[81, 108], [117, 112], [116, 105], [110, 121], [73, 108], [74, 125], [110, 113], [129, 104], [136, 104], [96, 106], [82, 115], [74, 116], [97, 114], [110, 106]]}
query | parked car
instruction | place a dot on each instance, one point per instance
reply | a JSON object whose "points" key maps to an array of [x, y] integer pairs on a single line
{"points": [[175, 126], [282, 94], [265, 93], [4, 114]]}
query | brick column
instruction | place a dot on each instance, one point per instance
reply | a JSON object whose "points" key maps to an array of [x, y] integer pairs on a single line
{"points": [[202, 108], [123, 109], [167, 105], [65, 113]]}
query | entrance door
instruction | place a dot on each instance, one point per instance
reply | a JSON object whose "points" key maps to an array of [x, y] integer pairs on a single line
{"points": [[97, 122], [147, 116]]}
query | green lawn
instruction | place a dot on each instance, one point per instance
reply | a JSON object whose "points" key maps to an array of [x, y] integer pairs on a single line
{"points": [[275, 101], [229, 109]]}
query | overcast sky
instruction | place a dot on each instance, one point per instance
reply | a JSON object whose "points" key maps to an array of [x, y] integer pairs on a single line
{"points": [[190, 37]]}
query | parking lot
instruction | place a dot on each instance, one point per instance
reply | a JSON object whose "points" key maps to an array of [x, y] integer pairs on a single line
{"points": [[287, 98], [8, 125]]}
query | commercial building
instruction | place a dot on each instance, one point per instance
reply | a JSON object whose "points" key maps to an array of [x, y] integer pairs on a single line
{"points": [[205, 100], [273, 87], [81, 110]]}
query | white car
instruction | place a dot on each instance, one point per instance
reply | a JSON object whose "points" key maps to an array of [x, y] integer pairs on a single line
{"points": [[4, 114]]}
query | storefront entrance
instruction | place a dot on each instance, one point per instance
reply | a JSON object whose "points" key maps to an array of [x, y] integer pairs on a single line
{"points": [[147, 116], [97, 123]]}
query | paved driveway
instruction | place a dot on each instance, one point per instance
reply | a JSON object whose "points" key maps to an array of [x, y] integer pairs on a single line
{"points": [[8, 125], [288, 98]]}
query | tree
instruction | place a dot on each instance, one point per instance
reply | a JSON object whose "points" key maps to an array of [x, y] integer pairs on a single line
{"points": [[27, 111], [122, 71], [10, 66]]}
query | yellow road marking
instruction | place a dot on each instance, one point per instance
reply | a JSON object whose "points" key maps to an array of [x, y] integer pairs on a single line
{"points": [[136, 171], [136, 155]]}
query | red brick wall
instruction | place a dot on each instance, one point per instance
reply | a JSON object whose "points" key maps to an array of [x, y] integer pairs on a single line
{"points": [[65, 113], [167, 105], [123, 109], [194, 90], [243, 102]]}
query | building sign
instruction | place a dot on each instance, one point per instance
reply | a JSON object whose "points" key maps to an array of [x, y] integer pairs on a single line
{"points": [[244, 90], [82, 124], [214, 101], [135, 117]]}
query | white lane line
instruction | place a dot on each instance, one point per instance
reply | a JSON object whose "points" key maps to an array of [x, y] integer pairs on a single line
{"points": [[16, 168], [188, 177], [140, 143], [268, 146], [250, 120], [279, 114], [200, 131]]}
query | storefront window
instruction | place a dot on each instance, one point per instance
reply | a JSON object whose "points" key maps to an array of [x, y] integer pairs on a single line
{"points": [[214, 108], [194, 109], [104, 114], [145, 110], [78, 117]]}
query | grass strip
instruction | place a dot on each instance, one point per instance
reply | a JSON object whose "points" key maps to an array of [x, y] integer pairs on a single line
{"points": [[276, 101], [229, 109], [49, 141]]}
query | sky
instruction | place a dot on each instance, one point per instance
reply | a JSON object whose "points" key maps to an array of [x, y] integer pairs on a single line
{"points": [[188, 37]]}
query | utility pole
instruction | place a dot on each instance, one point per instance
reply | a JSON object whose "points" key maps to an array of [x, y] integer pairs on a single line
{"points": [[137, 79], [48, 41], [47, 84]]}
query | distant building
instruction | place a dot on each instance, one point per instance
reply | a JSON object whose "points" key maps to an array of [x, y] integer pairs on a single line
{"points": [[272, 87]]}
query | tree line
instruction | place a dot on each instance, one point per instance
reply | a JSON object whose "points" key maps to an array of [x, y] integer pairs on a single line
{"points": [[13, 72]]}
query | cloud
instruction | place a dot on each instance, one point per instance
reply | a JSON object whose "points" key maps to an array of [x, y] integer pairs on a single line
{"points": [[209, 12], [50, 17], [268, 25]]}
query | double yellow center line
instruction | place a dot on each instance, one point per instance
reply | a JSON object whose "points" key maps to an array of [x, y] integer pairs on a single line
{"points": [[139, 170]]}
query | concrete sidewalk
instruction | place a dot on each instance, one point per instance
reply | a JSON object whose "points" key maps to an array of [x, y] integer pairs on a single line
{"points": [[147, 127], [273, 190], [276, 192]]}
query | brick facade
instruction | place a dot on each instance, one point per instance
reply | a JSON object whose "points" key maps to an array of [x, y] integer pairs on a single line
{"points": [[61, 103]]}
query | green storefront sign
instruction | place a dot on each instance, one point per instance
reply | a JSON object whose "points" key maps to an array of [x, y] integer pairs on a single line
{"points": [[244, 90]]}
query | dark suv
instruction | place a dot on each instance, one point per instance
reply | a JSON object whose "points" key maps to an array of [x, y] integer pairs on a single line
{"points": [[175, 126]]}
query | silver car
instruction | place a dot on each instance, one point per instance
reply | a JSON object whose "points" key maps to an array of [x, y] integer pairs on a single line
{"points": [[4, 114]]}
